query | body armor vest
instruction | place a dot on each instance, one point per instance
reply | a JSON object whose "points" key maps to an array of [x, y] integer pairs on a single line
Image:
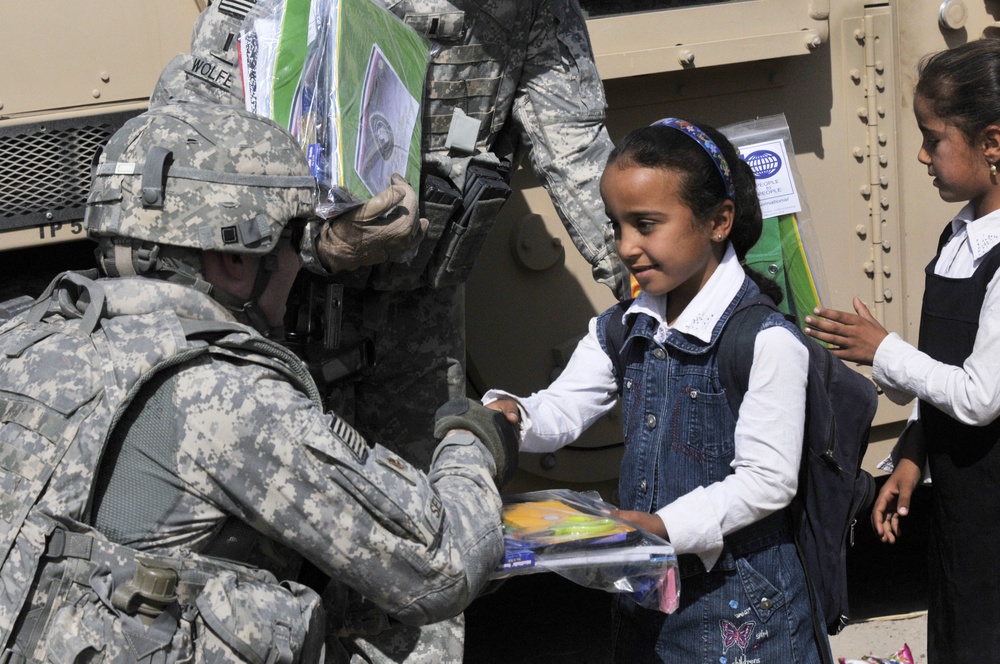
{"points": [[68, 372]]}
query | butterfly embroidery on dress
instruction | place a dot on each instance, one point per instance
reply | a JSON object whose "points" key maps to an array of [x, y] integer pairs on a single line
{"points": [[732, 634]]}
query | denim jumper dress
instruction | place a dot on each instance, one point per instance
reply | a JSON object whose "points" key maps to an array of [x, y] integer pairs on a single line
{"points": [[753, 606]]}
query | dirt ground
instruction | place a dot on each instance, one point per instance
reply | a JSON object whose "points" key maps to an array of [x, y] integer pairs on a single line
{"points": [[883, 636]]}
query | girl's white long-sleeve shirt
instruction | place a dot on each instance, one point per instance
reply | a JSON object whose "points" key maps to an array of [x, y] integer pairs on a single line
{"points": [[969, 393], [769, 429]]}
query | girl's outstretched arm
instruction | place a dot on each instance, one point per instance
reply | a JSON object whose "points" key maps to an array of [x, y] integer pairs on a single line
{"points": [[854, 337], [556, 416], [969, 392]]}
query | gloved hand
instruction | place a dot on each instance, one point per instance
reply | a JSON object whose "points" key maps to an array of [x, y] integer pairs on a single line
{"points": [[491, 427], [378, 231]]}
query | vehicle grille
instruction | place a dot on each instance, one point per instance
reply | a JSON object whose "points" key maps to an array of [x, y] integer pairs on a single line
{"points": [[45, 168]]}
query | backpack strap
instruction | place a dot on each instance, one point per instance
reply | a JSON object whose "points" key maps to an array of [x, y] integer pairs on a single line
{"points": [[615, 334], [81, 289], [286, 362], [735, 346]]}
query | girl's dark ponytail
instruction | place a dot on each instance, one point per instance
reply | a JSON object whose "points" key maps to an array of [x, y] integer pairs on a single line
{"points": [[747, 222], [748, 225]]}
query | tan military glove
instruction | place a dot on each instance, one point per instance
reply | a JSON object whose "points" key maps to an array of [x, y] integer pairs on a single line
{"points": [[378, 231]]}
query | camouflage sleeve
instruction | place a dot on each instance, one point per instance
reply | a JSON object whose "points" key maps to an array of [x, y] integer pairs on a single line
{"points": [[419, 546], [560, 106], [307, 252]]}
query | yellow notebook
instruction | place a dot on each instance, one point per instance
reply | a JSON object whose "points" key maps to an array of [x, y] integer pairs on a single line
{"points": [[552, 522]]}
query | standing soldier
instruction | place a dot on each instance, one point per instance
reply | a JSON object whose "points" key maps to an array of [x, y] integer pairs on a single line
{"points": [[167, 470], [505, 78]]}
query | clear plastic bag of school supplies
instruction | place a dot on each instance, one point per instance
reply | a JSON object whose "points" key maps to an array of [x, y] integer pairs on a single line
{"points": [[788, 250], [576, 536], [346, 77]]}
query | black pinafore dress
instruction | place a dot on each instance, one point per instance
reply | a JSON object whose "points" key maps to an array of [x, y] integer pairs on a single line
{"points": [[964, 544]]}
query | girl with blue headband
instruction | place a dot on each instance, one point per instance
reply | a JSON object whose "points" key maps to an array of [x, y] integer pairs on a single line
{"points": [[684, 211]]}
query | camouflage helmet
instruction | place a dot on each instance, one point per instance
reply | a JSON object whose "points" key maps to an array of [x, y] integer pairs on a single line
{"points": [[209, 177]]}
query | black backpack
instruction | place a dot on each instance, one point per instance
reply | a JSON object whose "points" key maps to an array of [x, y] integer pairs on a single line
{"points": [[833, 489]]}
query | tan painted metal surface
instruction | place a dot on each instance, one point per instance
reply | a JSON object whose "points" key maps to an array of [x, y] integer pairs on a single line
{"points": [[843, 74], [841, 71]]}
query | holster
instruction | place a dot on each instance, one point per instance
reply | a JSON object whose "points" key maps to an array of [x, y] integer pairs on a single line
{"points": [[410, 275], [335, 345]]}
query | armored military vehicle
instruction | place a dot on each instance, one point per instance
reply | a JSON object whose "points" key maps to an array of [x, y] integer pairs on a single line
{"points": [[842, 73]]}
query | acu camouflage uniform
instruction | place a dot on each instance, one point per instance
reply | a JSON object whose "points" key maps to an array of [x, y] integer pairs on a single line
{"points": [[218, 426], [163, 467], [525, 71]]}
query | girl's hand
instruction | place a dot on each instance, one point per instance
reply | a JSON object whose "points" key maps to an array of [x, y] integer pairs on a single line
{"points": [[509, 408], [854, 337], [893, 502], [648, 522]]}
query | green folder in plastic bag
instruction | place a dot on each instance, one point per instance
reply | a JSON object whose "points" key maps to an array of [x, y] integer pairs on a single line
{"points": [[346, 77], [293, 42], [766, 258], [382, 64], [781, 255], [804, 296]]}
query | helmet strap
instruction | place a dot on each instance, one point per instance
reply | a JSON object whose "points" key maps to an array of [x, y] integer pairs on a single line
{"points": [[127, 258], [250, 307]]}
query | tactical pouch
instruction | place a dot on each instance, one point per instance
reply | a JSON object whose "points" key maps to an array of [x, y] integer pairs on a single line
{"points": [[456, 253], [221, 612], [399, 275], [260, 622], [82, 624], [454, 258]]}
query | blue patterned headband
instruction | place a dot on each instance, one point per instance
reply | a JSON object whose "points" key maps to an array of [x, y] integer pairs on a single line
{"points": [[708, 145]]}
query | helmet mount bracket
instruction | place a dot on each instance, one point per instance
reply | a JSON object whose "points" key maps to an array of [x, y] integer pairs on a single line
{"points": [[154, 176]]}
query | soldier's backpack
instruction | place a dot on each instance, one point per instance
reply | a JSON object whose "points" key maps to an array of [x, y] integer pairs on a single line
{"points": [[69, 370], [833, 489]]}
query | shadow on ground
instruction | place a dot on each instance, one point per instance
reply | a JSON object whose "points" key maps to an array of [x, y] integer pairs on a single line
{"points": [[539, 619], [545, 619]]}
